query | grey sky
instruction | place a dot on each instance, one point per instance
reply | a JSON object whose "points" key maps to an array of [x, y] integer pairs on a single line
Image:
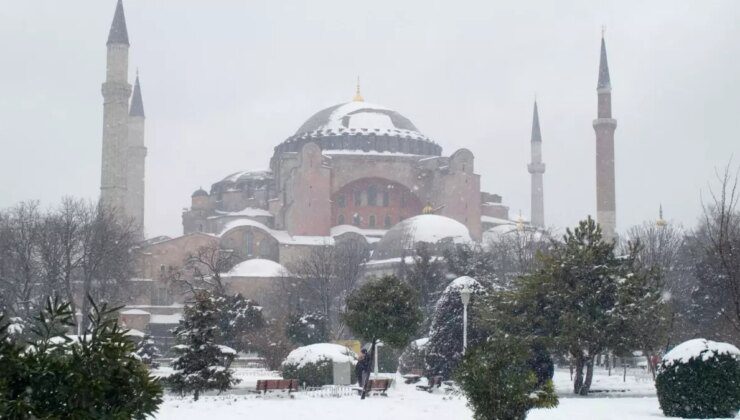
{"points": [[225, 81]]}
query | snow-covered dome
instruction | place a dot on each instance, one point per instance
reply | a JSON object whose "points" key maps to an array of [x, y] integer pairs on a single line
{"points": [[315, 352], [360, 125], [258, 267], [431, 228]]}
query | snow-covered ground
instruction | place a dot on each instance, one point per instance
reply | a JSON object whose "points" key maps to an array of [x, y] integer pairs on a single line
{"points": [[630, 399]]}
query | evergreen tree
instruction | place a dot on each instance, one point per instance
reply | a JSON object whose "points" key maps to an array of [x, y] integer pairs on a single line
{"points": [[51, 375], [202, 364], [308, 328], [239, 319], [148, 351], [583, 300], [426, 276], [445, 346]]}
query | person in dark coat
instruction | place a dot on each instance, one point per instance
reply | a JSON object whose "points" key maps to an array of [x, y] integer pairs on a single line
{"points": [[363, 364]]}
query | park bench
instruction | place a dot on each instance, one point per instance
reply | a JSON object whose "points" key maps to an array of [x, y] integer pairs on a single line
{"points": [[413, 377], [277, 387], [376, 387]]}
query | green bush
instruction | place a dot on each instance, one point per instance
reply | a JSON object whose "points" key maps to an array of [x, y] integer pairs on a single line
{"points": [[313, 374], [499, 382], [700, 379]]}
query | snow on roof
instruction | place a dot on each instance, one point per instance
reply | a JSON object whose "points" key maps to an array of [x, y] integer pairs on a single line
{"points": [[699, 347], [433, 228], [365, 153], [496, 220], [165, 319], [134, 333], [280, 235], [243, 175], [258, 267], [315, 352], [342, 229], [134, 312], [248, 212]]}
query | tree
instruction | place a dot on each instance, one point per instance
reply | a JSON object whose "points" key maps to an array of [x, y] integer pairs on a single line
{"points": [[383, 309], [95, 375], [500, 383], [583, 299], [202, 364], [147, 351], [308, 328], [204, 268], [426, 276], [239, 320], [445, 347]]}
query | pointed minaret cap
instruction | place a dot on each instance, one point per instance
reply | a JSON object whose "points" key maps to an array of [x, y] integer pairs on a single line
{"points": [[604, 81], [358, 96], [118, 33], [661, 222], [536, 134], [137, 104]]}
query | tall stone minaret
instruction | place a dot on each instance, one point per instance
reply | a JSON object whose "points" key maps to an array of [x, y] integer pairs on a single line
{"points": [[136, 160], [537, 168], [116, 92], [604, 125]]}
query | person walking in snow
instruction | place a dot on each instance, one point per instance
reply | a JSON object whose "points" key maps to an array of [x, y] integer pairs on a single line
{"points": [[362, 369]]}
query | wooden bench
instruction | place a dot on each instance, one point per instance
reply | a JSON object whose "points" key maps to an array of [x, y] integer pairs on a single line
{"points": [[413, 377], [278, 387], [376, 387]]}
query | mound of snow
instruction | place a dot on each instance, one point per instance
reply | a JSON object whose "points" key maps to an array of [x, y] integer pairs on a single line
{"points": [[699, 348], [257, 267], [316, 352]]}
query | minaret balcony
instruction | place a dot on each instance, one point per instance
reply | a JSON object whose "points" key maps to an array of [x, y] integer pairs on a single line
{"points": [[536, 168]]}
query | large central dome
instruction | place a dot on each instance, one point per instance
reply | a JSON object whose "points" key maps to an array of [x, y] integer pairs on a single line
{"points": [[361, 126]]}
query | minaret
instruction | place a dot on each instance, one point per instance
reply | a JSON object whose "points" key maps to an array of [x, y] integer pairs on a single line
{"points": [[136, 160], [537, 168], [116, 92], [604, 125]]}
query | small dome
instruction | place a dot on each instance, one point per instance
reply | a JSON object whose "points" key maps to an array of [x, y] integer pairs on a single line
{"points": [[258, 267], [430, 228], [200, 192]]}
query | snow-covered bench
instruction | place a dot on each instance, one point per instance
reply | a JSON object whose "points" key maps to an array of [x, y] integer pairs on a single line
{"points": [[278, 387], [430, 386]]}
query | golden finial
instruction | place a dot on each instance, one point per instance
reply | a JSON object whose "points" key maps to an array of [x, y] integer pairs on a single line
{"points": [[428, 209], [520, 222], [358, 96], [661, 222]]}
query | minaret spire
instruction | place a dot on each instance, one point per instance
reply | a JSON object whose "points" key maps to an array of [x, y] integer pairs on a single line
{"points": [[604, 126], [118, 33], [536, 168], [137, 104], [358, 96]]}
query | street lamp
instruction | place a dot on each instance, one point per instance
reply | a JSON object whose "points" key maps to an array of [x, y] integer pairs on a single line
{"points": [[465, 297]]}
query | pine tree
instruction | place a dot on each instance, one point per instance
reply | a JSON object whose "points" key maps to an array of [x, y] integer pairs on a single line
{"points": [[308, 328], [239, 319], [202, 364], [148, 351], [426, 276], [445, 346]]}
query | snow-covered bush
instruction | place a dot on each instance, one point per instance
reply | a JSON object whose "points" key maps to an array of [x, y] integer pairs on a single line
{"points": [[147, 351], [499, 381], [444, 350], [313, 365], [700, 379], [413, 356]]}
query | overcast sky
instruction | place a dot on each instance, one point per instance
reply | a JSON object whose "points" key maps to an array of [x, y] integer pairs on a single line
{"points": [[225, 81]]}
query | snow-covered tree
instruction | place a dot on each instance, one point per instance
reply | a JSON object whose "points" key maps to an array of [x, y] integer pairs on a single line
{"points": [[202, 364], [239, 320], [445, 346], [308, 328], [147, 351], [426, 275]]}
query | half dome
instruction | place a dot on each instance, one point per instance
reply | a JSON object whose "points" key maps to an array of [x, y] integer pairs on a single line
{"points": [[401, 239]]}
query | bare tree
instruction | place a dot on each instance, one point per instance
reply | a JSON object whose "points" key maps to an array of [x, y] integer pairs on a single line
{"points": [[720, 236], [204, 268]]}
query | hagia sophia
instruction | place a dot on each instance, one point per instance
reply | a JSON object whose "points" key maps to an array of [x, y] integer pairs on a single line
{"points": [[354, 171]]}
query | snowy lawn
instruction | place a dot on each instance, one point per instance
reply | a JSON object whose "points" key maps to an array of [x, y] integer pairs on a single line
{"points": [[405, 402]]}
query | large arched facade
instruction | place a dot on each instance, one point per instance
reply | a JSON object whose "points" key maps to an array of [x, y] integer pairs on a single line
{"points": [[373, 203]]}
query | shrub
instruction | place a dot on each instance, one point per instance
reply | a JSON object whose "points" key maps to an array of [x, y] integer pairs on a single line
{"points": [[308, 328], [317, 373], [313, 365], [499, 381], [413, 356], [700, 379]]}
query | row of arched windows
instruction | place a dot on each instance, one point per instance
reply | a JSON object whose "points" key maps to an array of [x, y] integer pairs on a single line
{"points": [[371, 197], [372, 221]]}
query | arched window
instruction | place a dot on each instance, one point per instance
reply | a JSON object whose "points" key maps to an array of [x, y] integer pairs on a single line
{"points": [[356, 219], [340, 201], [387, 222], [386, 198], [249, 243], [371, 223], [340, 219], [358, 198], [372, 196]]}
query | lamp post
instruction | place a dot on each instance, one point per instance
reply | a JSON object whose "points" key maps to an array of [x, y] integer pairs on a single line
{"points": [[465, 297]]}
